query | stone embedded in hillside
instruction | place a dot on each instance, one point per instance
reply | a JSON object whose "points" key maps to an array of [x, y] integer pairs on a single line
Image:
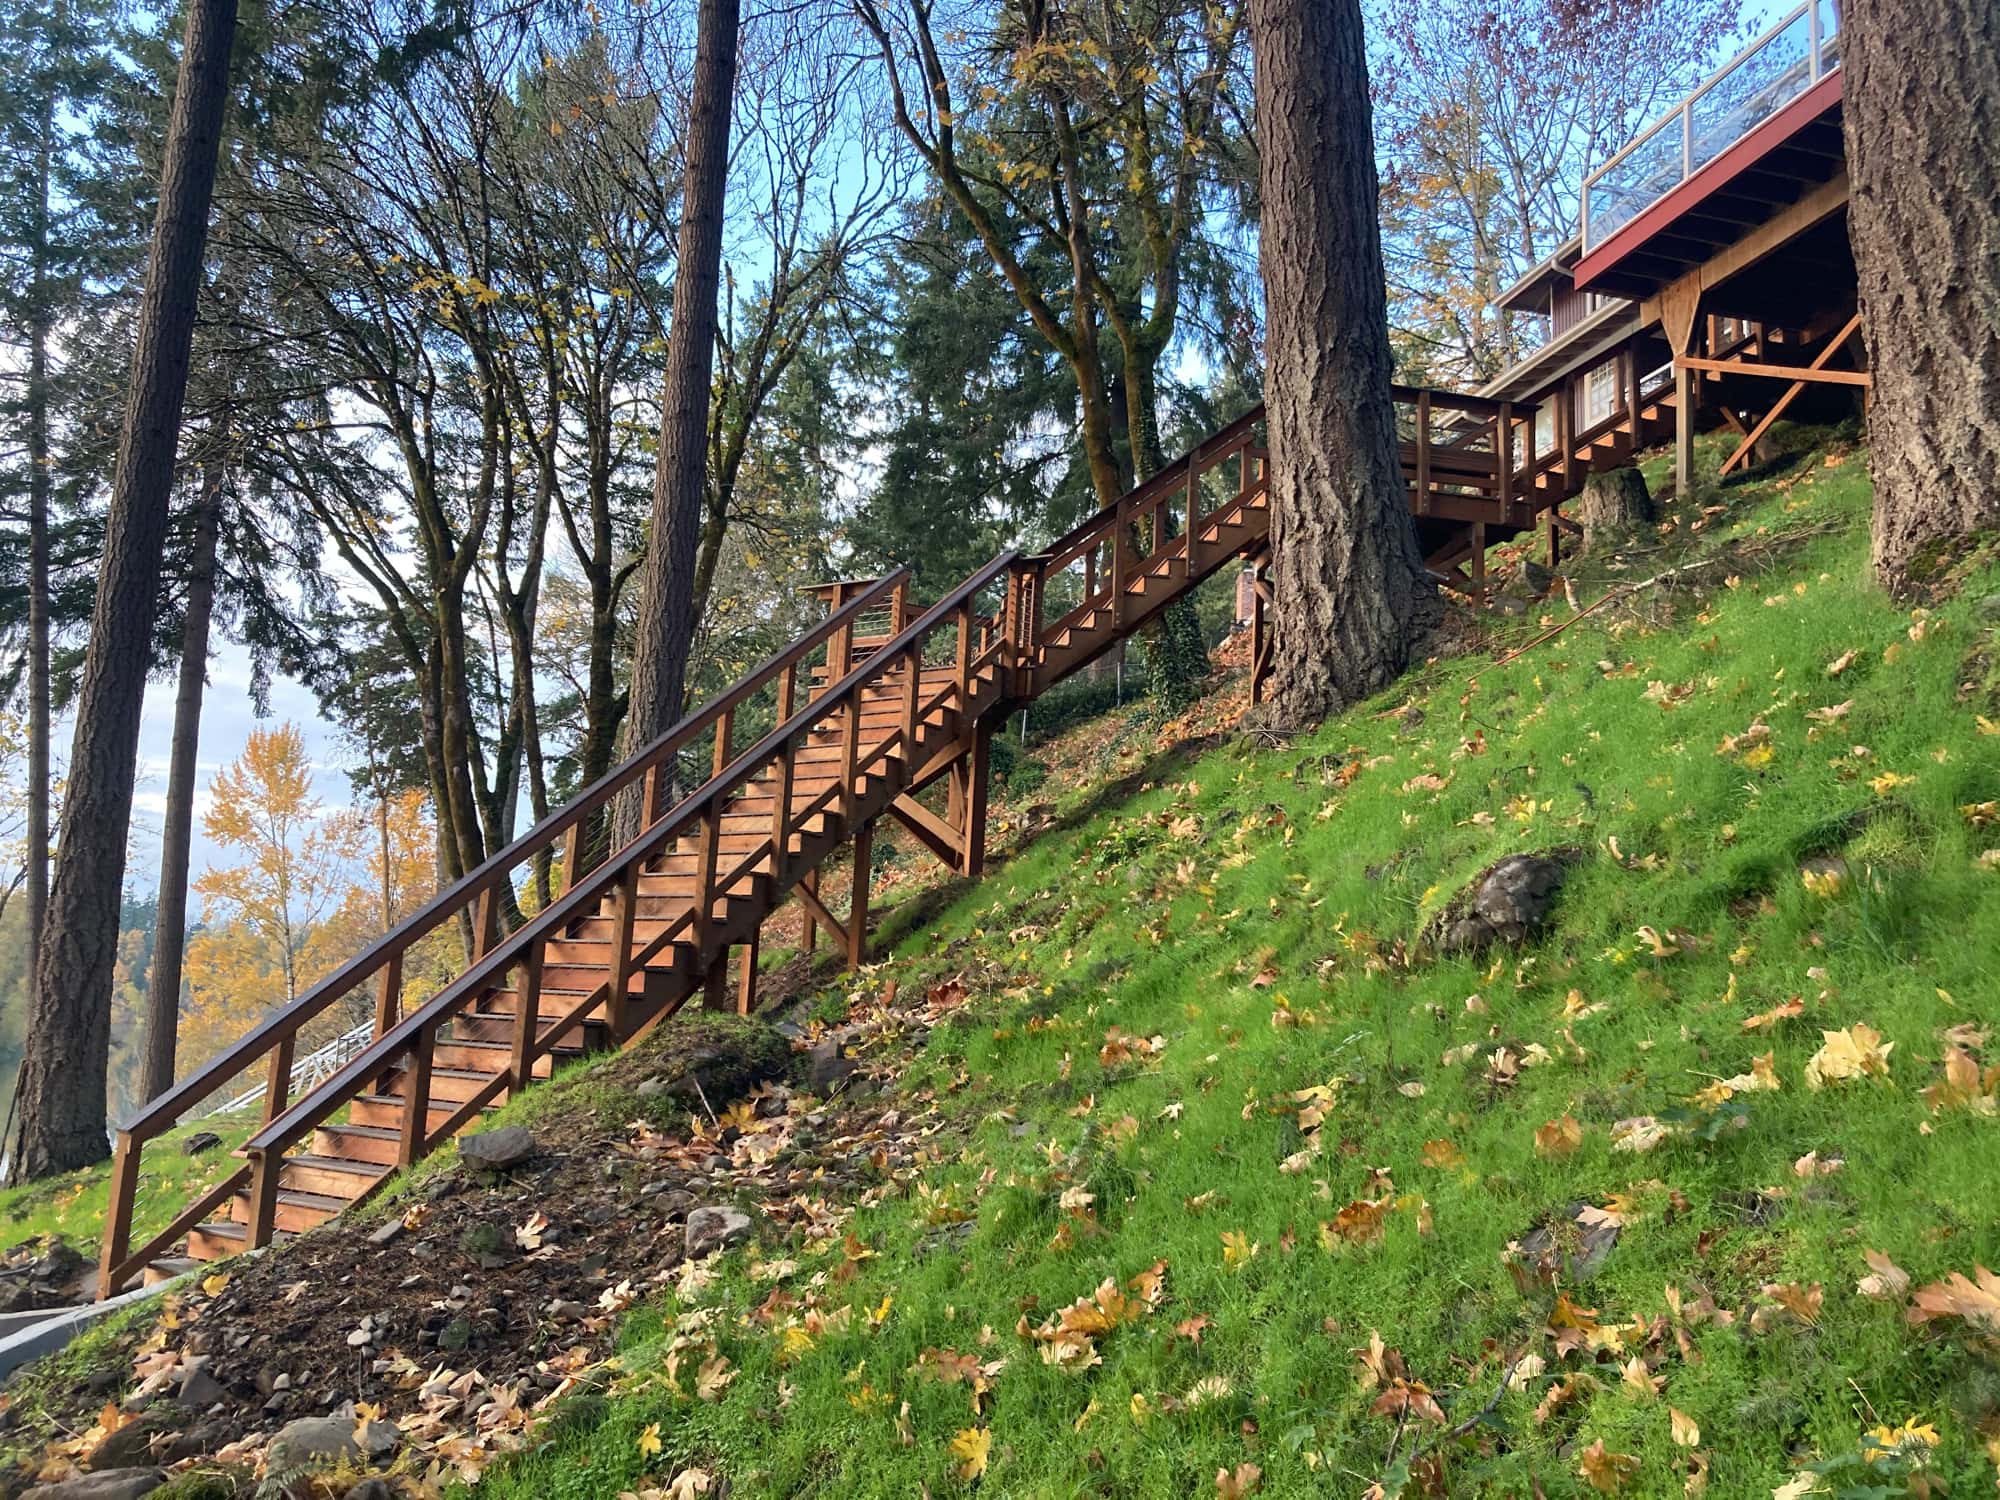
{"points": [[315, 1442], [826, 1069], [120, 1484], [715, 1228], [497, 1150], [1506, 903], [200, 1141], [1612, 504], [1535, 578], [1988, 608]]}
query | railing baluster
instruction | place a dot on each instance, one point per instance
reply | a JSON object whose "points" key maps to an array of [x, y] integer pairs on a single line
{"points": [[1120, 547], [527, 1017], [485, 923]]}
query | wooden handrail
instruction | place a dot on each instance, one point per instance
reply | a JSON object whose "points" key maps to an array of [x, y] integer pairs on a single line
{"points": [[165, 1111], [337, 1090], [275, 1036]]}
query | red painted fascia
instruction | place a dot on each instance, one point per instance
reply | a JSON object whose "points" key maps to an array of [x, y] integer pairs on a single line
{"points": [[1731, 164]]}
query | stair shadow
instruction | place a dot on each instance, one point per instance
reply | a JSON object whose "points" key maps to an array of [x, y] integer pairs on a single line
{"points": [[904, 918]]}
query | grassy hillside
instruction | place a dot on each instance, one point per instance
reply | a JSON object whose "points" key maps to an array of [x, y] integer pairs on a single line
{"points": [[1253, 1193]]}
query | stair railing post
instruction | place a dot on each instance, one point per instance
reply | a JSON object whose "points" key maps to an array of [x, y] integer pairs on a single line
{"points": [[415, 1136], [723, 724], [527, 1017], [1193, 515], [850, 754], [118, 1212], [573, 852], [388, 998], [624, 911], [278, 1078], [913, 683], [963, 667], [1120, 547], [1503, 454], [485, 923], [781, 813], [264, 1169]]}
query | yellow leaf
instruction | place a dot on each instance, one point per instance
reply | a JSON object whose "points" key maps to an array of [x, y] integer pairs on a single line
{"points": [[649, 1441], [1857, 1051], [1237, 1248], [970, 1448], [1686, 1433], [212, 1286]]}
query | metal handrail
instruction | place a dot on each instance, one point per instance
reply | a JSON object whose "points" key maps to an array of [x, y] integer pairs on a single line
{"points": [[1683, 112]]}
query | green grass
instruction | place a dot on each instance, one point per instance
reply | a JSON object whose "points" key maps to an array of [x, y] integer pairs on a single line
{"points": [[1257, 914], [71, 1207]]}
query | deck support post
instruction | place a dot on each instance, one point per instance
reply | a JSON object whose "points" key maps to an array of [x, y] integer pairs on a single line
{"points": [[857, 906], [1683, 430], [715, 984], [972, 803], [1479, 561]]}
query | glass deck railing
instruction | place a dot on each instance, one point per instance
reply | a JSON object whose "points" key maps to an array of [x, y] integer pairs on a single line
{"points": [[1781, 65]]}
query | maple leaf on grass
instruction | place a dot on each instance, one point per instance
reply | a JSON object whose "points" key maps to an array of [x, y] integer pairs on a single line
{"points": [[1558, 1137], [1975, 1299], [1605, 1471], [1886, 1279], [1234, 1484], [688, 1484], [649, 1441], [971, 1448], [1856, 1051]]}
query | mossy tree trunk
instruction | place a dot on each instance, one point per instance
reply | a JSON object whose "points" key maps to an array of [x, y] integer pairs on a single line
{"points": [[1352, 594], [1922, 113]]}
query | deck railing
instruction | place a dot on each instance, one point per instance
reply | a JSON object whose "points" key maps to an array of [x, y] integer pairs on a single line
{"points": [[1759, 81]]}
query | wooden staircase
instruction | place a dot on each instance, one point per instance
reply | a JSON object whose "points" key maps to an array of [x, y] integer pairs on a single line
{"points": [[570, 945]]}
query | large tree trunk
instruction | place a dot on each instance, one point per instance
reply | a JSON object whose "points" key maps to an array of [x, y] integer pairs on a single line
{"points": [[163, 983], [62, 1095], [1922, 98], [666, 623], [1352, 593], [38, 579]]}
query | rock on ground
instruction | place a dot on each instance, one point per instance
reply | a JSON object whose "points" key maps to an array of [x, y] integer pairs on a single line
{"points": [[1508, 902], [496, 1150], [116, 1484], [715, 1228]]}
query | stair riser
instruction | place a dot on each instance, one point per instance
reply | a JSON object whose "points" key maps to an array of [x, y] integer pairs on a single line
{"points": [[484, 1059], [204, 1246], [390, 1116], [586, 1035], [336, 1140], [452, 1091], [301, 1178], [293, 1218]]}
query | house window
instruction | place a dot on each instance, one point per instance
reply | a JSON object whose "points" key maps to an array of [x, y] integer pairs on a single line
{"points": [[1600, 393]]}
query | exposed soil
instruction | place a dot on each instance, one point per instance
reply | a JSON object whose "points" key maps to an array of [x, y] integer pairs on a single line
{"points": [[465, 1308]]}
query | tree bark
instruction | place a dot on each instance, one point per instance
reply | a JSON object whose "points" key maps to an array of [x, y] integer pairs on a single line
{"points": [[163, 983], [666, 624], [38, 557], [1922, 95], [1352, 595], [62, 1093]]}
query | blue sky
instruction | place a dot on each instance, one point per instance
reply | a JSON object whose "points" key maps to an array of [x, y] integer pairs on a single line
{"points": [[229, 714]]}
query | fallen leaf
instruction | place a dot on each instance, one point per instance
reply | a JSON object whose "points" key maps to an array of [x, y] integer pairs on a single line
{"points": [[649, 1441], [1977, 1302], [1247, 1479], [970, 1448], [1558, 1137], [1686, 1434], [1604, 1471], [1856, 1051], [1886, 1280]]}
